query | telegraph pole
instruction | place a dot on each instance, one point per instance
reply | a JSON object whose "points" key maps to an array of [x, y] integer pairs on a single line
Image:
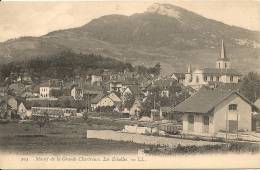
{"points": [[226, 126]]}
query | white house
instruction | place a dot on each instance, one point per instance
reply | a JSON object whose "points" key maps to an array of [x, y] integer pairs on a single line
{"points": [[132, 90], [223, 73], [96, 79], [211, 111], [77, 93], [109, 100], [23, 111], [47, 87]]}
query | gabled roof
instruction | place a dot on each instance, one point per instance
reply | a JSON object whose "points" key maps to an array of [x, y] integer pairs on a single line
{"points": [[164, 82], [92, 89], [179, 75], [97, 98], [135, 90], [217, 71], [257, 103], [204, 101], [166, 109]]}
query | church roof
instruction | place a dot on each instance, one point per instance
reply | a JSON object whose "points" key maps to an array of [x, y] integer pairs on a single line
{"points": [[217, 71]]}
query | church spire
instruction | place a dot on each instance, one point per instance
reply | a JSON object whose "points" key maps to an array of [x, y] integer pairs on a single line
{"points": [[223, 52], [223, 61]]}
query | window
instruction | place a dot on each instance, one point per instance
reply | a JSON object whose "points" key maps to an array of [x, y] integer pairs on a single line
{"points": [[218, 65], [206, 120], [232, 107], [231, 78], [225, 65], [217, 78], [191, 78], [191, 119], [197, 79], [211, 78], [205, 78]]}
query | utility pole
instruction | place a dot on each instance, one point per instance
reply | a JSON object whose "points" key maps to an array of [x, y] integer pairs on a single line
{"points": [[237, 125], [226, 126], [154, 101]]}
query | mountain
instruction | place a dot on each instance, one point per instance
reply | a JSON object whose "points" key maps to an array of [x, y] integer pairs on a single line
{"points": [[163, 33]]}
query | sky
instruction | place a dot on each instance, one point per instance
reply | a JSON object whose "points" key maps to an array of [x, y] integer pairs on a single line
{"points": [[38, 18]]}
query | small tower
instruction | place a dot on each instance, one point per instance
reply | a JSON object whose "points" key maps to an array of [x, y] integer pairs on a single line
{"points": [[223, 61], [188, 76]]}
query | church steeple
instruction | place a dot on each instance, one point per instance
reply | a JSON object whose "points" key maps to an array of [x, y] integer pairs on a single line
{"points": [[223, 52], [223, 61]]}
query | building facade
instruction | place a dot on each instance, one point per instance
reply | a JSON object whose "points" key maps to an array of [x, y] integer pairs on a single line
{"points": [[223, 73], [211, 111]]}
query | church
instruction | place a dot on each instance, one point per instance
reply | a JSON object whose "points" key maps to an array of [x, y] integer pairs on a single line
{"points": [[223, 73]]}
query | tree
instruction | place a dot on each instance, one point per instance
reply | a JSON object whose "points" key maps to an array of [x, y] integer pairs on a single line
{"points": [[56, 93], [129, 100], [152, 101], [85, 115], [41, 120], [156, 69], [250, 86]]}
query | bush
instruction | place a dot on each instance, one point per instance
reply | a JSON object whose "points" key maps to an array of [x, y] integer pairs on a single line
{"points": [[105, 109]]}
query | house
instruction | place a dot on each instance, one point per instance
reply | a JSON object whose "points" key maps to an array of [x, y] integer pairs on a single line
{"points": [[115, 86], [179, 77], [211, 111], [208, 76], [95, 100], [49, 86], [96, 80], [110, 100], [5, 110], [164, 86], [24, 111], [165, 112], [77, 93], [11, 101], [120, 82], [132, 90]]}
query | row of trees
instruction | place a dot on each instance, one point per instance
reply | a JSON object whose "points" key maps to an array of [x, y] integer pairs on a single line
{"points": [[64, 64], [68, 64]]}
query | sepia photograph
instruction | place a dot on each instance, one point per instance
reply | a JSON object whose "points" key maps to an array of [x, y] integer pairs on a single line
{"points": [[130, 84]]}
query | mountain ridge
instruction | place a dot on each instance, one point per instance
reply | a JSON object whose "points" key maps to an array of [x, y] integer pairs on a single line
{"points": [[146, 38]]}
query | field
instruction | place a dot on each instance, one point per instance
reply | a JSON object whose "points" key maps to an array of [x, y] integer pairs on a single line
{"points": [[69, 137], [60, 137]]}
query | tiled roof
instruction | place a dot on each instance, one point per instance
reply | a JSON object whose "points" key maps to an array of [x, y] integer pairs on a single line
{"points": [[92, 89], [216, 71], [204, 101], [135, 90], [257, 103], [166, 109], [179, 75], [96, 99]]}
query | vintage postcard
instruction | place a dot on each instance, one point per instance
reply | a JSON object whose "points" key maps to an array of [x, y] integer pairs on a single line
{"points": [[129, 84]]}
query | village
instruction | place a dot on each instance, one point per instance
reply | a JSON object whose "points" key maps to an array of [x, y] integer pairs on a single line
{"points": [[203, 104]]}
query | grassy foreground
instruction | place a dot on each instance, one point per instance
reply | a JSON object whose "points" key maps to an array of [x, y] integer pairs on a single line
{"points": [[70, 137]]}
